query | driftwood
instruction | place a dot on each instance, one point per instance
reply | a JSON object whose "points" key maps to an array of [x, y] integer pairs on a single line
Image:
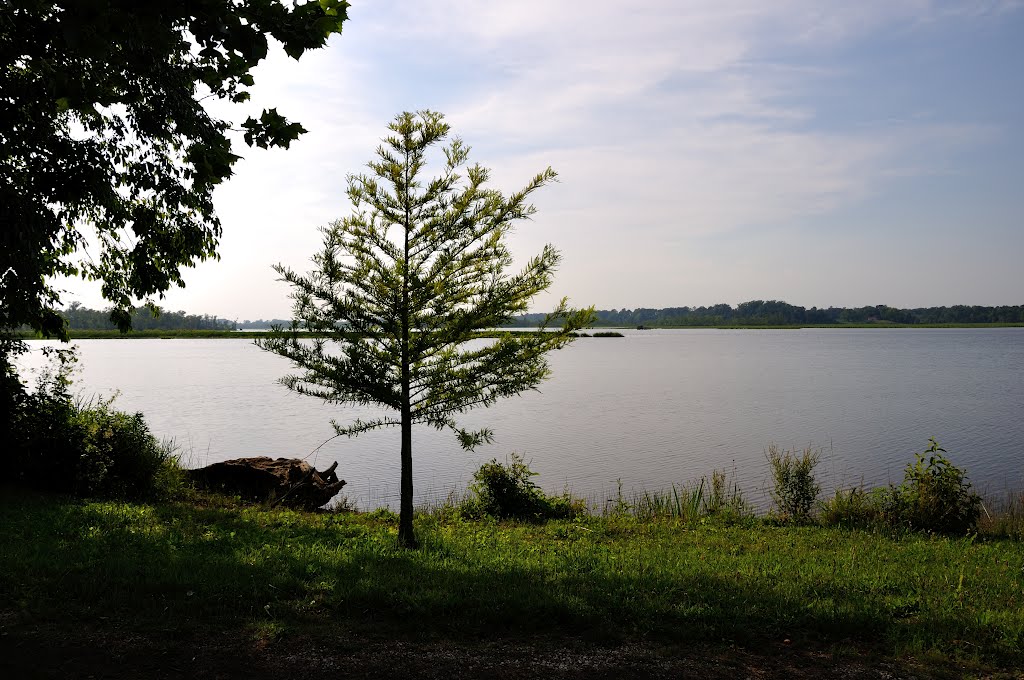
{"points": [[290, 482]]}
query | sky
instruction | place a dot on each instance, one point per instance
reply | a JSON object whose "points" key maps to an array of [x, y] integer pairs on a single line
{"points": [[821, 153]]}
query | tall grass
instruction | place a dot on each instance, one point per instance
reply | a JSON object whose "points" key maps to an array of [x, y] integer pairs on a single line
{"points": [[685, 502], [680, 502], [1003, 517]]}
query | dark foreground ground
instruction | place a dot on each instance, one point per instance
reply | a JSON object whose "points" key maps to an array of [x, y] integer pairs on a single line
{"points": [[105, 650]]}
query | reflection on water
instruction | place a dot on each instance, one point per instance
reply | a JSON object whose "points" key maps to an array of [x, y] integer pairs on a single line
{"points": [[649, 409]]}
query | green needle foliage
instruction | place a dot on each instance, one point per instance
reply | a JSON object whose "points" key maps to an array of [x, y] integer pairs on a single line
{"points": [[402, 286]]}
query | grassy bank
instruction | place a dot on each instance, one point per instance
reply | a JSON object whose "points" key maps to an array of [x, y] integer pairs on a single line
{"points": [[601, 578]]}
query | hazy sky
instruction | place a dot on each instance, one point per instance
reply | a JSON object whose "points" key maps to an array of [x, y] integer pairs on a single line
{"points": [[822, 153]]}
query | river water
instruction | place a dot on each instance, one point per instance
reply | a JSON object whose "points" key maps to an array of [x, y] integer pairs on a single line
{"points": [[651, 409]]}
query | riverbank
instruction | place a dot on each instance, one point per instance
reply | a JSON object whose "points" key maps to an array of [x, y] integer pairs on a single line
{"points": [[330, 586]]}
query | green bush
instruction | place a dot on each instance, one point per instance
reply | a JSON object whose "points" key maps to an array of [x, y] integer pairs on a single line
{"points": [[934, 496], [85, 448], [118, 456], [507, 491], [795, 490]]}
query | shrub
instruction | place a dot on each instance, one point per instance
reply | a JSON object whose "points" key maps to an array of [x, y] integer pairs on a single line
{"points": [[507, 491], [86, 448], [118, 457], [934, 496], [795, 489]]}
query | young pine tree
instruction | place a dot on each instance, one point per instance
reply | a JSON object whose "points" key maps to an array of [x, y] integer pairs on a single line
{"points": [[405, 282]]}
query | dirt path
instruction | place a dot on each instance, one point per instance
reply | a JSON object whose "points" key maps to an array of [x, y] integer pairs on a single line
{"points": [[102, 650]]}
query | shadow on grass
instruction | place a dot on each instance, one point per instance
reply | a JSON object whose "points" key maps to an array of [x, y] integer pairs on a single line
{"points": [[174, 565]]}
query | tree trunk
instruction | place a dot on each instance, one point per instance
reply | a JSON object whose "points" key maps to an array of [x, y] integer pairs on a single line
{"points": [[406, 537]]}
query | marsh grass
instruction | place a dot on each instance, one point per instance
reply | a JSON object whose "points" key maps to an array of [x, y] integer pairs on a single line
{"points": [[720, 498], [685, 503]]}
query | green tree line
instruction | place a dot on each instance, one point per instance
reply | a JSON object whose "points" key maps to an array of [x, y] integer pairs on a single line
{"points": [[260, 324], [83, 318], [778, 313]]}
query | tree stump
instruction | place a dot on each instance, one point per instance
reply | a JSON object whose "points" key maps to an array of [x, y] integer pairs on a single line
{"points": [[289, 482]]}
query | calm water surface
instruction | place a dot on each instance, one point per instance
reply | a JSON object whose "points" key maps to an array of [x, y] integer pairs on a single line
{"points": [[650, 409]]}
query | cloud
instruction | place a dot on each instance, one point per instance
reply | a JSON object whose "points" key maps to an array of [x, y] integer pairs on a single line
{"points": [[672, 120]]}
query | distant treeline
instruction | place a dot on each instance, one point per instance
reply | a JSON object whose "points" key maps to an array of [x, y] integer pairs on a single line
{"points": [[83, 318], [262, 323], [778, 313], [753, 313]]}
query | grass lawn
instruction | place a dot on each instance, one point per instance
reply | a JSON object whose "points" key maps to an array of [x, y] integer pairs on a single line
{"points": [[695, 590]]}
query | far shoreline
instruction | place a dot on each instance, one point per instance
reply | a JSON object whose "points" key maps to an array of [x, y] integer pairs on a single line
{"points": [[81, 334]]}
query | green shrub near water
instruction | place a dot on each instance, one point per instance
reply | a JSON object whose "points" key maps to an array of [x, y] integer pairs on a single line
{"points": [[507, 491], [85, 448], [795, 491], [935, 496]]}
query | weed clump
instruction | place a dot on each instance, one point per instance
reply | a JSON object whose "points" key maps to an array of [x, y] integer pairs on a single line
{"points": [[795, 490], [507, 491], [716, 499], [854, 508]]}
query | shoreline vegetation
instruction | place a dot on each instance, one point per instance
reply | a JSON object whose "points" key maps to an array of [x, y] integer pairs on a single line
{"points": [[243, 335], [597, 331], [85, 323]]}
